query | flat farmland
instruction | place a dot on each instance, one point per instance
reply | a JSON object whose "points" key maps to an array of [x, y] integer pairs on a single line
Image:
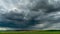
{"points": [[29, 32]]}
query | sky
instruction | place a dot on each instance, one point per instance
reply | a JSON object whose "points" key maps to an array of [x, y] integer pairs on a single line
{"points": [[29, 14]]}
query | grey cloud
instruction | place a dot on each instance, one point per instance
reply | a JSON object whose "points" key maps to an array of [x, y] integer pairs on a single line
{"points": [[29, 14]]}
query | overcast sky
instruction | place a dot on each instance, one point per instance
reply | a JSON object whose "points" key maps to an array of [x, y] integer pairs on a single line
{"points": [[30, 14]]}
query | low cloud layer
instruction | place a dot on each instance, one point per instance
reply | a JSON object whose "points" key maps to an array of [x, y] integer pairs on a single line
{"points": [[30, 14]]}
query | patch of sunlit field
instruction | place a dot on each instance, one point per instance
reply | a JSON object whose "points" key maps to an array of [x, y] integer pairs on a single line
{"points": [[30, 32]]}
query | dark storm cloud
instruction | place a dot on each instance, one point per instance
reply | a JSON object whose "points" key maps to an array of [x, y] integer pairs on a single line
{"points": [[27, 14]]}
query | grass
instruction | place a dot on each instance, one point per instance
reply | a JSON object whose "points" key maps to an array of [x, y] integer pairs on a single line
{"points": [[30, 32]]}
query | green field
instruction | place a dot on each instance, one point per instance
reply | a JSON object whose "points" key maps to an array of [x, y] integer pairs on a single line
{"points": [[30, 32]]}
